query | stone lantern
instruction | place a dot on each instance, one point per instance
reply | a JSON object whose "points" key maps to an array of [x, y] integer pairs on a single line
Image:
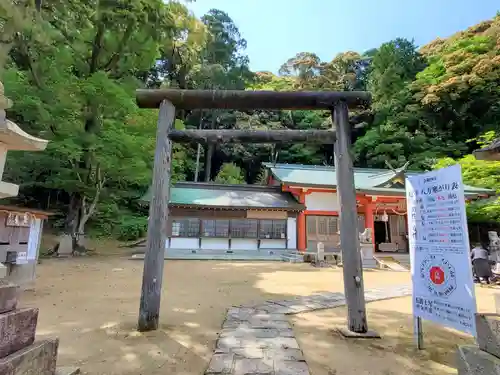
{"points": [[12, 137], [19, 352]]}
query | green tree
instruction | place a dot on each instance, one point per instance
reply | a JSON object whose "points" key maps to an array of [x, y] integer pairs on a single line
{"points": [[393, 66], [305, 67], [398, 132], [72, 77], [222, 65], [479, 173], [230, 173], [344, 73]]}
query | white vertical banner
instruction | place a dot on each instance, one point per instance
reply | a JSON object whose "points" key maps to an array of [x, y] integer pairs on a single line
{"points": [[443, 286], [34, 238]]}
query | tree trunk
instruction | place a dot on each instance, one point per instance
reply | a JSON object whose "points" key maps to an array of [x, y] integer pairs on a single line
{"points": [[209, 152], [197, 170], [198, 151], [79, 213], [69, 240]]}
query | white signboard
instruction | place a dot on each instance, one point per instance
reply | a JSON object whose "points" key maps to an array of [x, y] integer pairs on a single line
{"points": [[22, 257], [443, 288], [34, 239]]}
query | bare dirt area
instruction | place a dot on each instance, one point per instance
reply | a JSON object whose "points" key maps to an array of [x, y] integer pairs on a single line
{"points": [[92, 303], [327, 353]]}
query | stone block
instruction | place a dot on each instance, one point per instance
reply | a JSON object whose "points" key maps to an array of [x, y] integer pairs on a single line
{"points": [[9, 294], [274, 317], [23, 274], [237, 313], [270, 343], [245, 332], [17, 330], [273, 308], [290, 368], [253, 366], [243, 352], [36, 359], [256, 323], [250, 332], [357, 335], [488, 333], [227, 343], [4, 271], [65, 245], [284, 354], [220, 364], [474, 361]]}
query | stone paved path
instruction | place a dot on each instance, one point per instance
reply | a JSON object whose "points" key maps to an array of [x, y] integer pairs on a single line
{"points": [[259, 340]]}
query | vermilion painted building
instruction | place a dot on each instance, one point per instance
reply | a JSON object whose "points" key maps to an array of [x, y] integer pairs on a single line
{"points": [[381, 203], [298, 209]]}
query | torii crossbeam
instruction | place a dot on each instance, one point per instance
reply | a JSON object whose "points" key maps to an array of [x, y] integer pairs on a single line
{"points": [[170, 100]]}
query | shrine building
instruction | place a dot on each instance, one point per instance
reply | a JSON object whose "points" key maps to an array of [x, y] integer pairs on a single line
{"points": [[297, 209]]}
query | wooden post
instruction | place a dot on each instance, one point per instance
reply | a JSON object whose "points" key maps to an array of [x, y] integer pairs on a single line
{"points": [[252, 136], [198, 150], [152, 276], [250, 99], [418, 332], [209, 153], [349, 237]]}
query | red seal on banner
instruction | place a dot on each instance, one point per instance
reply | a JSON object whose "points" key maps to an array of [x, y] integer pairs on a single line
{"points": [[437, 275]]}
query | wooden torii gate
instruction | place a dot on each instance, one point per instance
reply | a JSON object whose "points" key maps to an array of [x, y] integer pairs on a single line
{"points": [[169, 100]]}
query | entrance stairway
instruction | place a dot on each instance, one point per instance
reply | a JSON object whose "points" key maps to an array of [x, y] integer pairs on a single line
{"points": [[388, 262], [218, 254], [292, 256]]}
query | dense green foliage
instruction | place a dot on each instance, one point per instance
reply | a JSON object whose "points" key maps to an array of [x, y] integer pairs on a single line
{"points": [[230, 173], [71, 71]]}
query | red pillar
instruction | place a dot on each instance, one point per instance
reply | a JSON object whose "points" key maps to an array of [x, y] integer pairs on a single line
{"points": [[301, 226], [369, 220]]}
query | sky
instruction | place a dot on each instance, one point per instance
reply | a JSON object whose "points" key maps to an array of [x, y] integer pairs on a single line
{"points": [[276, 30]]}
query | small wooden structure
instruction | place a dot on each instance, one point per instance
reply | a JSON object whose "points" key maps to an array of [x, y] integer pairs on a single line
{"points": [[490, 152], [169, 100], [20, 237], [222, 221]]}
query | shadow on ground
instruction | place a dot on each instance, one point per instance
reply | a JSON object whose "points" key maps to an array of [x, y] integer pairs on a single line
{"points": [[92, 305], [329, 353]]}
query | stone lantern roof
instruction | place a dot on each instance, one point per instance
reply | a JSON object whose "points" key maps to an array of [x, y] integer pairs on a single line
{"points": [[490, 152], [12, 137]]}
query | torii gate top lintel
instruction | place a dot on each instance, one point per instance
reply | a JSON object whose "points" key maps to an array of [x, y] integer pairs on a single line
{"points": [[246, 99]]}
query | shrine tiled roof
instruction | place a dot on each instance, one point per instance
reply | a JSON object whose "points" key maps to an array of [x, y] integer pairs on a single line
{"points": [[369, 180], [209, 195]]}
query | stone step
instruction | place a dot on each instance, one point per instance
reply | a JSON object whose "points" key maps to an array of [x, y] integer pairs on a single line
{"points": [[488, 333], [37, 359], [474, 361], [17, 330], [292, 258], [9, 294], [222, 255]]}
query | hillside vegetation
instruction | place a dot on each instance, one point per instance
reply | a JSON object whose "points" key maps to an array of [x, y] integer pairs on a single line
{"points": [[71, 70]]}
